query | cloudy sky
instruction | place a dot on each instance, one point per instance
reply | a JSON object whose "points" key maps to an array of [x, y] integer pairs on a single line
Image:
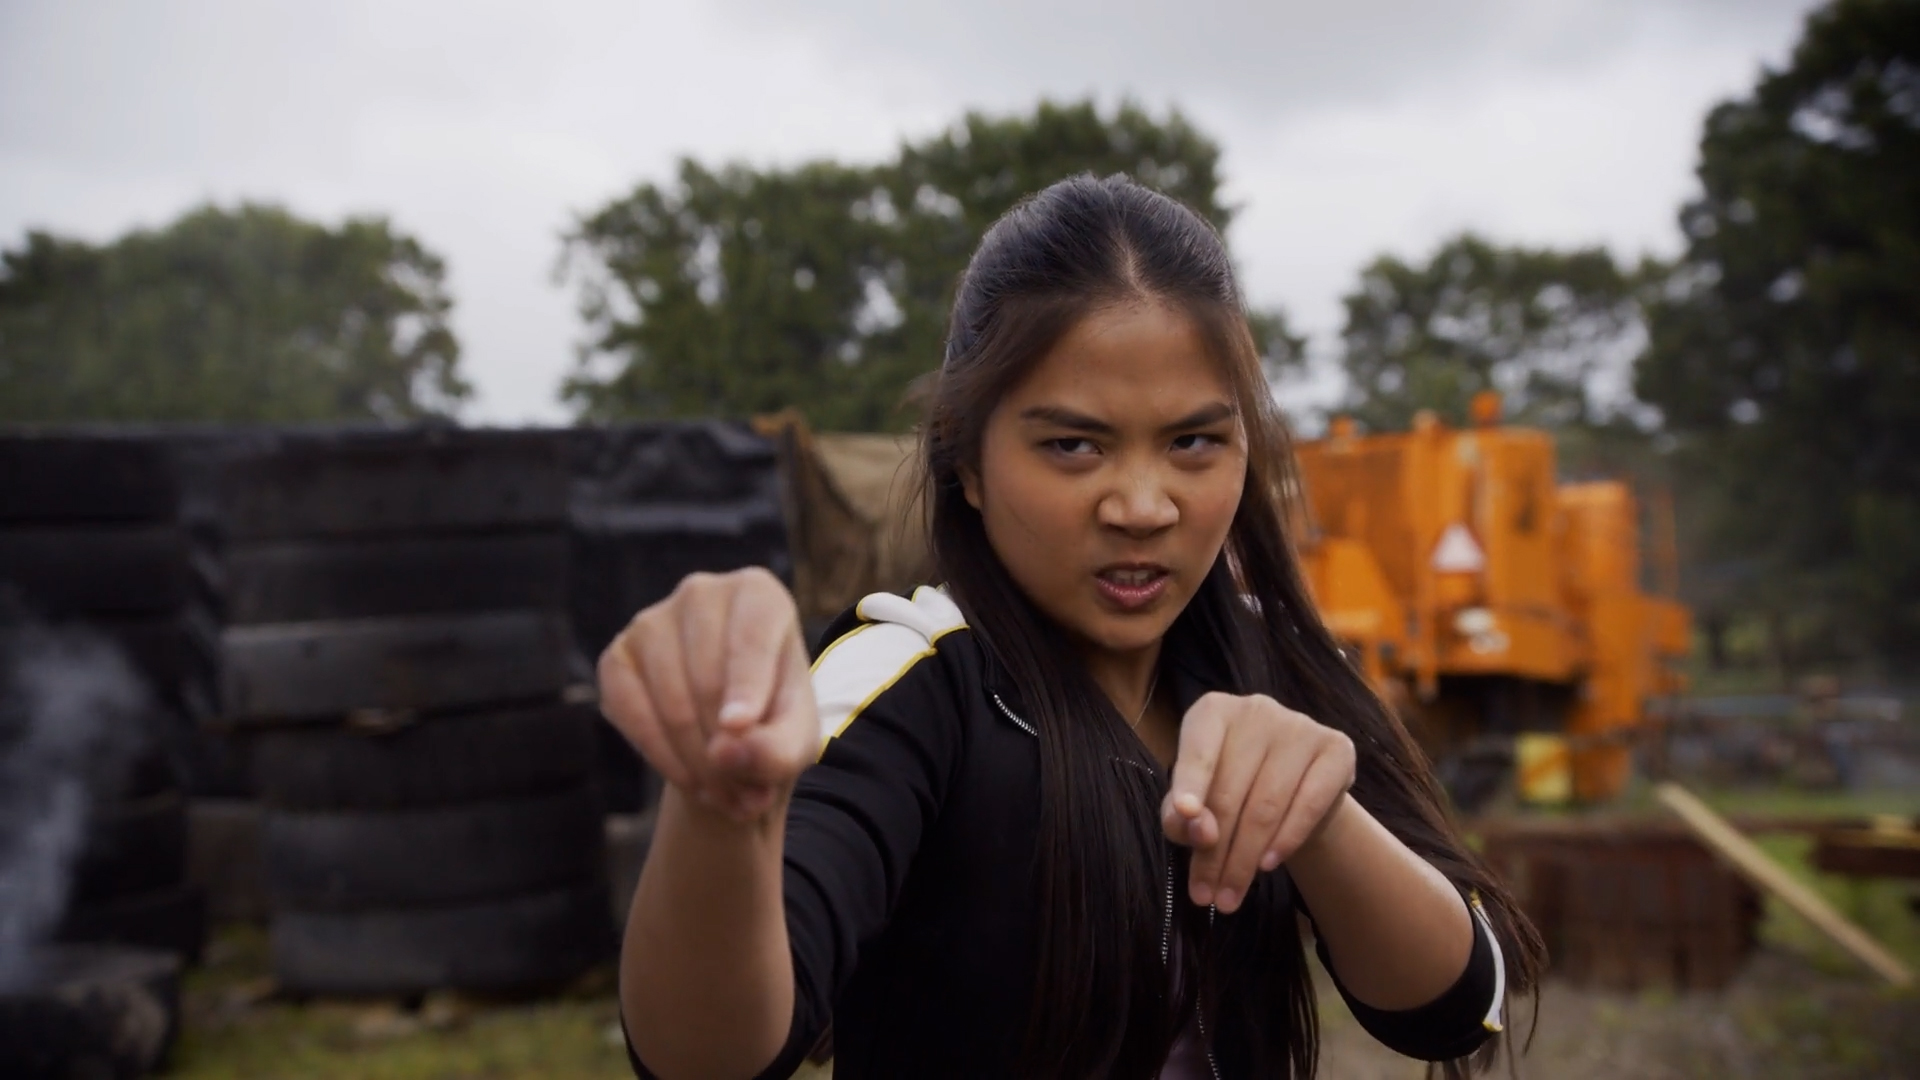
{"points": [[1349, 128]]}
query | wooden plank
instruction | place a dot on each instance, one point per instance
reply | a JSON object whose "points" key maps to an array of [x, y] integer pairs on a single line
{"points": [[1753, 864], [1865, 853], [1776, 823]]}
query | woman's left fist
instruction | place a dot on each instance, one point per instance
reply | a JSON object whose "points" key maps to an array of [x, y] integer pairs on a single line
{"points": [[1252, 782]]}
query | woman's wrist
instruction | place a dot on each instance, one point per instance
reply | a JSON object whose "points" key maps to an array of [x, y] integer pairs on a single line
{"points": [[1326, 843], [1353, 850], [683, 811]]}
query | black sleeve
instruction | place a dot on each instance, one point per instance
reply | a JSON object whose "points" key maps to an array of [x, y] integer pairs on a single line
{"points": [[1450, 1026], [853, 829]]}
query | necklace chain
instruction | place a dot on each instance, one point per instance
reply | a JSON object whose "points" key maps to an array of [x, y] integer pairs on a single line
{"points": [[1152, 685]]}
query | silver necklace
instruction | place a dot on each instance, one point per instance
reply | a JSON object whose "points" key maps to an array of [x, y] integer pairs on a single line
{"points": [[1152, 685]]}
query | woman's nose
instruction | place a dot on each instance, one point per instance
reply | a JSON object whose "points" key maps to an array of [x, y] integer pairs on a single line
{"points": [[1139, 504]]}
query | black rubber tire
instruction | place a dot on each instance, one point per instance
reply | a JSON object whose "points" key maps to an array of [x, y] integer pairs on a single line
{"points": [[96, 571], [132, 847], [72, 477], [629, 840], [214, 762], [1473, 778], [224, 859], [91, 1011], [627, 784], [153, 771], [348, 861], [356, 579], [521, 943], [440, 760], [653, 502], [670, 461], [366, 481], [621, 566], [173, 653], [171, 920], [290, 671]]}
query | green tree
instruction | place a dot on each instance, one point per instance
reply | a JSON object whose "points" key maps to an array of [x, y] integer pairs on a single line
{"points": [[1535, 324], [826, 287], [1785, 345], [732, 291], [248, 314]]}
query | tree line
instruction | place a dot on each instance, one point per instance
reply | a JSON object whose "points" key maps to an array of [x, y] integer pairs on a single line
{"points": [[826, 286], [1769, 375], [248, 314]]}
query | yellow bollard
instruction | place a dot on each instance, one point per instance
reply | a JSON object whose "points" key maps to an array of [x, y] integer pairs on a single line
{"points": [[1543, 764]]}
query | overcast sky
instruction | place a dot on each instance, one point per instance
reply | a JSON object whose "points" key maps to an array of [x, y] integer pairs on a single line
{"points": [[1350, 128]]}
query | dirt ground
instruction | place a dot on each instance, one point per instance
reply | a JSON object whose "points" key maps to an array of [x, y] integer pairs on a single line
{"points": [[1787, 1016], [1782, 1019], [1799, 1010]]}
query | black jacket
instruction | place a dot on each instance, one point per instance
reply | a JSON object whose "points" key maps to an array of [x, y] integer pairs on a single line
{"points": [[909, 865]]}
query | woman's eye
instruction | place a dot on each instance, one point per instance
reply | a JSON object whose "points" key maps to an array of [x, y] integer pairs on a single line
{"points": [[1197, 442], [1072, 447]]}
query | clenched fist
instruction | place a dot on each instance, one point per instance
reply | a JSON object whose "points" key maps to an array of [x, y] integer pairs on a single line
{"points": [[1253, 782], [711, 686]]}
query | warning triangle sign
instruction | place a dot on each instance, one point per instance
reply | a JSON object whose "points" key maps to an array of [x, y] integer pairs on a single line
{"points": [[1458, 552]]}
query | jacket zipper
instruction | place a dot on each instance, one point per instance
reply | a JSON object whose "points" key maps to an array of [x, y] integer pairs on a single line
{"points": [[1166, 927], [1166, 924], [1200, 1015], [1008, 713]]}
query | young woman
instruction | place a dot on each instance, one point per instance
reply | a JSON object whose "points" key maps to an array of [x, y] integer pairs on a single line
{"points": [[1067, 814]]}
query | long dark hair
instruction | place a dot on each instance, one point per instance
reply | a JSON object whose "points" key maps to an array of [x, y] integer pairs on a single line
{"points": [[1103, 1000]]}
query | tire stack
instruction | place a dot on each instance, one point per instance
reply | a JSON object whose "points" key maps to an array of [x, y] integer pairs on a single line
{"points": [[91, 542], [395, 634], [650, 504], [130, 884]]}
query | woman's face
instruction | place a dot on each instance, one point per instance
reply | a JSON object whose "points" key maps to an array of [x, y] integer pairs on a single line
{"points": [[1110, 475]]}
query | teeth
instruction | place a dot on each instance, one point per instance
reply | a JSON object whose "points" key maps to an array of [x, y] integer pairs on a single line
{"points": [[1131, 577]]}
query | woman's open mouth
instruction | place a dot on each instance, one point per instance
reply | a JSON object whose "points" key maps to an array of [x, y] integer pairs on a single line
{"points": [[1132, 586]]}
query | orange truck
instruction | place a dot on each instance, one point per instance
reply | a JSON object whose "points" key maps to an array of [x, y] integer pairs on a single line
{"points": [[1501, 612]]}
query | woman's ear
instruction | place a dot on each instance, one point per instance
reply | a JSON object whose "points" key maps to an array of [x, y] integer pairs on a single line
{"points": [[970, 485]]}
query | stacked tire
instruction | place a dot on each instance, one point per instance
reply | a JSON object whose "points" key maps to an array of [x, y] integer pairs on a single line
{"points": [[395, 635], [129, 885], [90, 532], [649, 504], [91, 543]]}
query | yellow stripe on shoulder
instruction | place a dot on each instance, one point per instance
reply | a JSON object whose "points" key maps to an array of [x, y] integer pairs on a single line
{"points": [[865, 662], [837, 642], [1492, 1021]]}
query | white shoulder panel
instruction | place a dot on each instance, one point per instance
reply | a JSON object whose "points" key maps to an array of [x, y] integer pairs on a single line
{"points": [[896, 634]]}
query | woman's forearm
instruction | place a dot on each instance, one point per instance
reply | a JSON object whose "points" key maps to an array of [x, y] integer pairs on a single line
{"points": [[1396, 928], [706, 978]]}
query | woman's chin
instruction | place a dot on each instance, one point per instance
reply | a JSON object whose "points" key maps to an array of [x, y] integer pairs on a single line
{"points": [[1109, 634]]}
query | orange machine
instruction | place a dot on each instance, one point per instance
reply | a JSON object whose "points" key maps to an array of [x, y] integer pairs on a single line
{"points": [[1487, 602]]}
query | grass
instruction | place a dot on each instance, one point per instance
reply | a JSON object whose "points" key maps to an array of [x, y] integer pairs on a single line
{"points": [[236, 1030], [1877, 906], [232, 1032], [1803, 1008]]}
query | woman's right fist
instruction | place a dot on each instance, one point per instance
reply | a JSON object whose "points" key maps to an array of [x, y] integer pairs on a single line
{"points": [[711, 686]]}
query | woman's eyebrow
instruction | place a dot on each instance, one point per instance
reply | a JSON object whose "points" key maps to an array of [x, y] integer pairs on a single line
{"points": [[1057, 416], [1060, 416], [1204, 416]]}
